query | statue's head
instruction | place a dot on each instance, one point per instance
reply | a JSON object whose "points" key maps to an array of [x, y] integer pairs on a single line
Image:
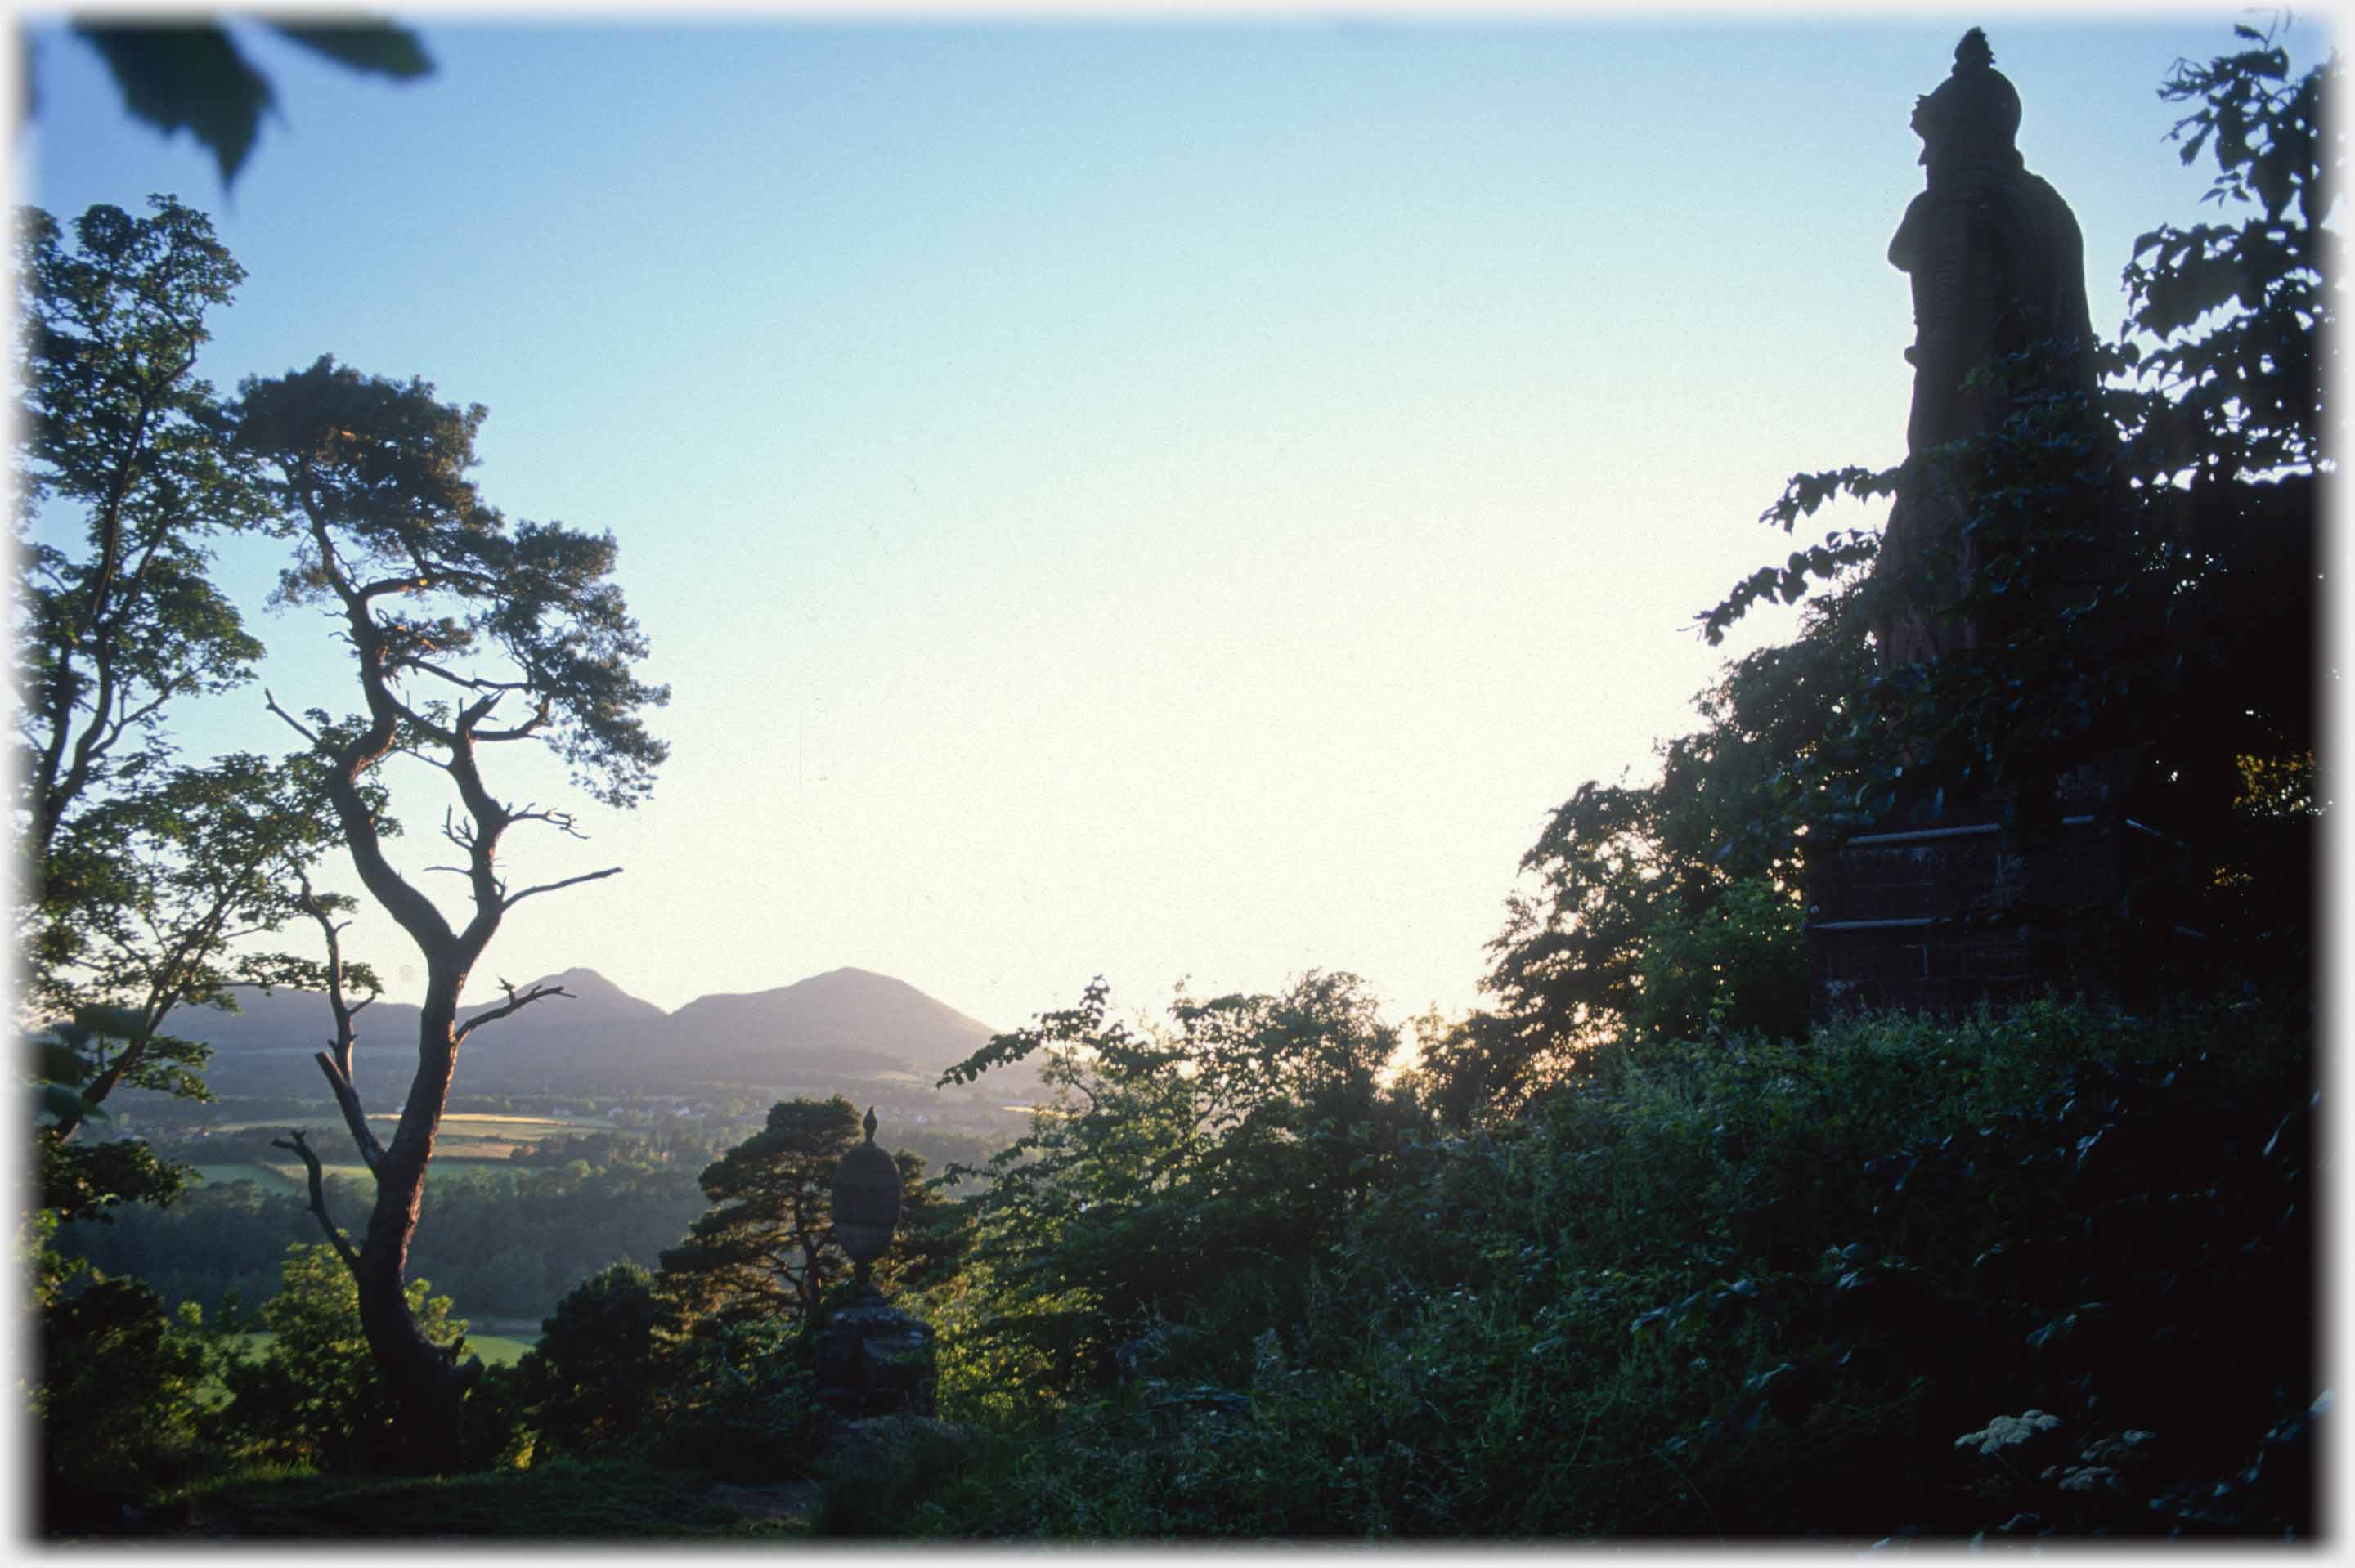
{"points": [[1973, 116]]}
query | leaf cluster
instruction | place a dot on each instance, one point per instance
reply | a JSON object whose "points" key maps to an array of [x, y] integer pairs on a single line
{"points": [[193, 77], [1185, 1173], [442, 594]]}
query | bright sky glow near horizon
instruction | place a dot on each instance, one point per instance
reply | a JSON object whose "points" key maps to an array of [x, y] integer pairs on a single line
{"points": [[1179, 498]]}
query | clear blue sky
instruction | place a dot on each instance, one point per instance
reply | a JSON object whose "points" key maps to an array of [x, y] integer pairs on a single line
{"points": [[1162, 499]]}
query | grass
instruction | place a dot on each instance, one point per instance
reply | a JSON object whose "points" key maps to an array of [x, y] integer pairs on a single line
{"points": [[612, 1500], [496, 1349], [268, 1176]]}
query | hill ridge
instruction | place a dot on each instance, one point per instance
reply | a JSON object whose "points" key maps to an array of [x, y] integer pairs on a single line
{"points": [[844, 1023]]}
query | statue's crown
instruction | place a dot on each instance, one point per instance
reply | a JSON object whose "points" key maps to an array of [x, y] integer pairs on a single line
{"points": [[1974, 114]]}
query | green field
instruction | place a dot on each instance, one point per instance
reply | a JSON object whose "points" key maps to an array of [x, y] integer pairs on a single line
{"points": [[267, 1177], [288, 1176], [466, 1142], [482, 1136], [497, 1350]]}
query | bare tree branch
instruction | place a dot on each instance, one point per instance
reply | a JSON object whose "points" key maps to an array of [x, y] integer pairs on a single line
{"points": [[524, 731], [347, 1100], [516, 1003], [319, 1197], [337, 1066], [514, 899], [271, 701], [472, 683]]}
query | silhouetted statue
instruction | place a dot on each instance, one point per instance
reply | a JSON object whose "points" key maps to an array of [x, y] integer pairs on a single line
{"points": [[1998, 266]]}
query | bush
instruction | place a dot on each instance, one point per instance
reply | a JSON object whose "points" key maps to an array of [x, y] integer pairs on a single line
{"points": [[737, 1402], [316, 1396], [591, 1379], [1767, 1290], [119, 1402]]}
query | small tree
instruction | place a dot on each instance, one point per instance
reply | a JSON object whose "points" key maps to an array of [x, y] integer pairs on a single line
{"points": [[1673, 907], [467, 634], [1195, 1173], [164, 884], [118, 425], [315, 1397], [766, 1248], [592, 1378], [765, 1252], [119, 1401]]}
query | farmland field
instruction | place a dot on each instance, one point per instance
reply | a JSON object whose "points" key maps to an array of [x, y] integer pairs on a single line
{"points": [[470, 1124], [270, 1178], [464, 1136], [287, 1176], [497, 1350]]}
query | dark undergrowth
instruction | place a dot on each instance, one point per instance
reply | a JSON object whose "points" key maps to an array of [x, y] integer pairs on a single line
{"points": [[605, 1499], [2048, 1275], [2052, 1273]]}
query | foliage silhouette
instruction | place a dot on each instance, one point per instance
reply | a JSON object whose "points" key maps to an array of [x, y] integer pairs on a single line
{"points": [[193, 77]]}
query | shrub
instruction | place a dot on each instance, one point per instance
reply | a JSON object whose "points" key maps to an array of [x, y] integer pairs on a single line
{"points": [[119, 1402], [316, 1396], [1761, 1290]]}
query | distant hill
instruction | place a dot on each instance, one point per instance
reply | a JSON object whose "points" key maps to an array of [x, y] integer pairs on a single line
{"points": [[851, 1016], [847, 1026]]}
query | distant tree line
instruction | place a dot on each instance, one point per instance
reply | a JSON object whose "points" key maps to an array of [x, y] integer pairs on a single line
{"points": [[505, 1246]]}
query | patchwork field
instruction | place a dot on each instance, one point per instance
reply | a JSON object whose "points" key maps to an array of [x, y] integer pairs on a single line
{"points": [[467, 1143]]}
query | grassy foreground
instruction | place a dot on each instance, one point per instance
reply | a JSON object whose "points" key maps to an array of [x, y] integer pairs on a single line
{"points": [[604, 1501]]}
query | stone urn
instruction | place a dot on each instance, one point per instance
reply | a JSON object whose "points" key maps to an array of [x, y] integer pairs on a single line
{"points": [[872, 1359], [865, 1203]]}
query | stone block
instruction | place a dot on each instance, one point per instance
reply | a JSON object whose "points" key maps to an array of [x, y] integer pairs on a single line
{"points": [[872, 1359], [1958, 874]]}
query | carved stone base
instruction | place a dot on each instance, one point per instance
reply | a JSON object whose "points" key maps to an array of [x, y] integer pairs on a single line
{"points": [[872, 1359], [1943, 918]]}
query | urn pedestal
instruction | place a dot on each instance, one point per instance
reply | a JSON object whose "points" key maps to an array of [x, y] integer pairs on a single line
{"points": [[872, 1359], [1940, 919]]}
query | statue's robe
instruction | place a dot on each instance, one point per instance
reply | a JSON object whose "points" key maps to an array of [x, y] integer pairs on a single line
{"points": [[1998, 266]]}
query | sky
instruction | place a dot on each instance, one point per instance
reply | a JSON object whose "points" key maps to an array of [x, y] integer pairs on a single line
{"points": [[1176, 500]]}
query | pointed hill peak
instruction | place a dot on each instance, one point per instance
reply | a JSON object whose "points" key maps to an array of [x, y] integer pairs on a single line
{"points": [[584, 991], [847, 1007]]}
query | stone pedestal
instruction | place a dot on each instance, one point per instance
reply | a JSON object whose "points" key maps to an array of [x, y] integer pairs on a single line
{"points": [[1940, 919], [872, 1359]]}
